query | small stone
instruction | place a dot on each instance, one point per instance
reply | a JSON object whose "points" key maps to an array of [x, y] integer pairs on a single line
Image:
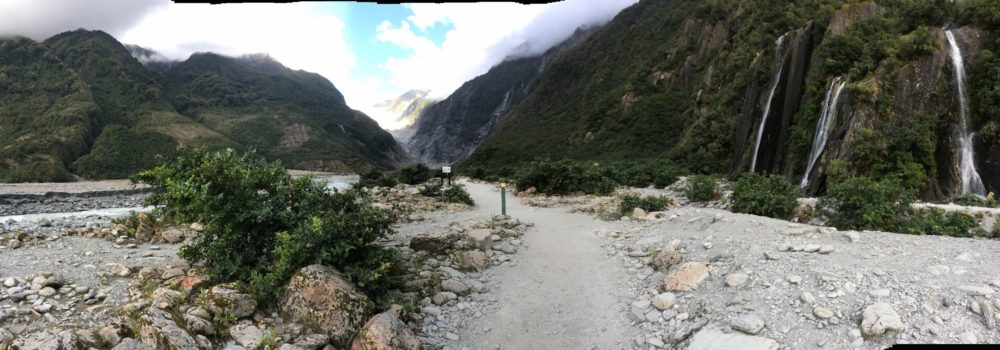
{"points": [[807, 298], [451, 336], [811, 248], [749, 324], [454, 286], [827, 249], [119, 270], [664, 301], [736, 279], [794, 279], [685, 278], [14, 244], [822, 312], [968, 338]]}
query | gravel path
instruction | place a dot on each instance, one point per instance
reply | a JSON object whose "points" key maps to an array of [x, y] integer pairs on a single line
{"points": [[563, 292]]}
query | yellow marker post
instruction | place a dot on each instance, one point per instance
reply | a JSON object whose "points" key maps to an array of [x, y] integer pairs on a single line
{"points": [[503, 198]]}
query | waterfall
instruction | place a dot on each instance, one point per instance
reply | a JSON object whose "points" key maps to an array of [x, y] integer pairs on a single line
{"points": [[826, 119], [780, 59], [971, 182]]}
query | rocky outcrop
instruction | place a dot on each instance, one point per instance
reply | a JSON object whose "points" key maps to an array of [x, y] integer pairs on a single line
{"points": [[850, 14], [386, 332], [322, 300]]}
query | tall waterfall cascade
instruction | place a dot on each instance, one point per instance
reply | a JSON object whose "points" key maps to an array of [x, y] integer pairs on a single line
{"points": [[780, 60], [971, 182], [827, 117]]}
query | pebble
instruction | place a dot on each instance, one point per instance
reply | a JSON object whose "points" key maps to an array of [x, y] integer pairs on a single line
{"points": [[807, 298], [822, 312], [451, 336], [827, 249], [736, 279], [748, 323], [794, 279], [664, 301]]}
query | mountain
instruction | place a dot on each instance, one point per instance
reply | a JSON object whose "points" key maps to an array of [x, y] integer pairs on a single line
{"points": [[406, 108], [449, 130], [81, 103], [811, 90]]}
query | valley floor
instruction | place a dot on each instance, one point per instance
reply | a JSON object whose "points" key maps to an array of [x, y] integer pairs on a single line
{"points": [[691, 277]]}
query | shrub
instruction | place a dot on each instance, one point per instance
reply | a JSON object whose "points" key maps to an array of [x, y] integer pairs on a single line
{"points": [[431, 190], [629, 202], [864, 204], [375, 178], [702, 188], [934, 221], [972, 200], [563, 177], [772, 196], [415, 174], [457, 194], [261, 225]]}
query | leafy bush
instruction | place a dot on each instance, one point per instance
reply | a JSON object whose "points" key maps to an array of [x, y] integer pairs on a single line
{"points": [[457, 194], [865, 204], [773, 195], [629, 202], [934, 221], [563, 177], [972, 200], [261, 225], [415, 174], [702, 188], [375, 178], [431, 190]]}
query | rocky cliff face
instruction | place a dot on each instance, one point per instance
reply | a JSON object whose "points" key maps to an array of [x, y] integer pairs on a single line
{"points": [[712, 87], [449, 130]]}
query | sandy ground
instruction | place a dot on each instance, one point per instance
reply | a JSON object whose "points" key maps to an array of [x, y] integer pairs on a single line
{"points": [[563, 292]]}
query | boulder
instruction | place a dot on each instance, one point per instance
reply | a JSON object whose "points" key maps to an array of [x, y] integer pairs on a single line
{"points": [[433, 244], [386, 332], [158, 330], [686, 277], [480, 238], [65, 340], [666, 259], [471, 260], [246, 334], [638, 214], [323, 301], [226, 300], [880, 318], [711, 339], [172, 235], [132, 344]]}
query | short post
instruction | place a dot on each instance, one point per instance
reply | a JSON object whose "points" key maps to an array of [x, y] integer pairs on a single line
{"points": [[503, 198]]}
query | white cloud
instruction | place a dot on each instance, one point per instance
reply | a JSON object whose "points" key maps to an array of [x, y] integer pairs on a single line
{"points": [[40, 19], [483, 35], [297, 35]]}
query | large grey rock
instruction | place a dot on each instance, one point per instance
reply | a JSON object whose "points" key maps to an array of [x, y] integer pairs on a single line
{"points": [[880, 318], [686, 277], [455, 286], [246, 334], [386, 332], [471, 260], [225, 299], [132, 344], [480, 238], [322, 300], [711, 339], [749, 324], [65, 340], [158, 330]]}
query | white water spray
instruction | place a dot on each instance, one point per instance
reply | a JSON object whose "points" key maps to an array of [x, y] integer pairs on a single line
{"points": [[826, 119], [971, 182], [770, 96]]}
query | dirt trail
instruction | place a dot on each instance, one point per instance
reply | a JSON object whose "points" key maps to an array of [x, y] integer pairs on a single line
{"points": [[564, 292]]}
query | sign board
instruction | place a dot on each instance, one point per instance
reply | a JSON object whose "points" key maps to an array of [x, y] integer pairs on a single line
{"points": [[446, 169]]}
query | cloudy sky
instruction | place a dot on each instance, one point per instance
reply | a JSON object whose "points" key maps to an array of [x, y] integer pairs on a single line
{"points": [[370, 52]]}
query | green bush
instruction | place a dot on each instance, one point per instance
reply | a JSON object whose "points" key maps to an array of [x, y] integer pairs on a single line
{"points": [[457, 194], [934, 221], [375, 178], [702, 188], [261, 225], [629, 202], [972, 200], [772, 195], [415, 174], [865, 204], [563, 177], [431, 190]]}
